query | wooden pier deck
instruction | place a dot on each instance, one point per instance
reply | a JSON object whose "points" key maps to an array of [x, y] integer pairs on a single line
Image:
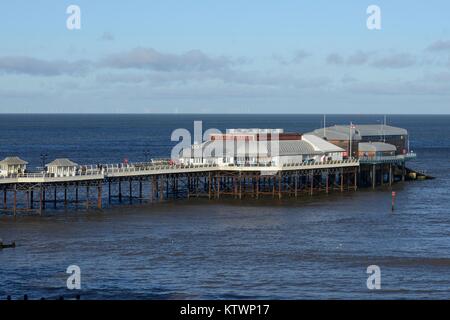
{"points": [[152, 182]]}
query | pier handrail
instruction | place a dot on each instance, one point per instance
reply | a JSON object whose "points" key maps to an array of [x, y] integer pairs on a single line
{"points": [[104, 170], [400, 157], [140, 167], [305, 163]]}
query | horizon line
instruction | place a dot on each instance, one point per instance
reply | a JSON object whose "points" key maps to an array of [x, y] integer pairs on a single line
{"points": [[216, 113]]}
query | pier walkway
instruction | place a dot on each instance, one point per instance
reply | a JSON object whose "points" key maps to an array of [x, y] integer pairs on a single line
{"points": [[158, 182], [135, 170]]}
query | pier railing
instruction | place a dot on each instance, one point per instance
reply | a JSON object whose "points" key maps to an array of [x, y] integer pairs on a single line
{"points": [[137, 168], [380, 159], [114, 168], [92, 170], [324, 163], [99, 172]]}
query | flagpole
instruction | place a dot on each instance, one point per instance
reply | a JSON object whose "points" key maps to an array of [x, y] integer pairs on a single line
{"points": [[350, 141]]}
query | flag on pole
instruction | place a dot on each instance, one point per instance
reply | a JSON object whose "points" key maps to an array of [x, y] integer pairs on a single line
{"points": [[352, 126]]}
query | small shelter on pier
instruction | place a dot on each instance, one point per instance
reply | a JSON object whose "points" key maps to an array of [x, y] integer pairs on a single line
{"points": [[62, 167], [12, 165]]}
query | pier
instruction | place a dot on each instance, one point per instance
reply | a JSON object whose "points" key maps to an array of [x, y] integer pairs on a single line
{"points": [[96, 186], [241, 163]]}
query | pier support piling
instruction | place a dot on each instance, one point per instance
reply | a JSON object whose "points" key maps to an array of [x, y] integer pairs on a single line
{"points": [[374, 176], [44, 189], [31, 198], [390, 174], [211, 183], [131, 190], [15, 200], [5, 199], [109, 191], [99, 196], [87, 197], [54, 197], [41, 196]]}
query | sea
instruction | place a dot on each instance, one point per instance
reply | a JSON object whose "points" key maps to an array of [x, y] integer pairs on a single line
{"points": [[319, 247]]}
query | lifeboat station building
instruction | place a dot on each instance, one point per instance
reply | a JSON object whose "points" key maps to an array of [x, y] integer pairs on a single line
{"points": [[352, 137], [256, 147]]}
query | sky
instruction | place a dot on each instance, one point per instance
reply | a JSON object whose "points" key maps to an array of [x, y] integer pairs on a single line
{"points": [[210, 56]]}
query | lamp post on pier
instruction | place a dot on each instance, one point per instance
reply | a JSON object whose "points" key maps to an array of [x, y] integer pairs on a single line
{"points": [[43, 158], [146, 154]]}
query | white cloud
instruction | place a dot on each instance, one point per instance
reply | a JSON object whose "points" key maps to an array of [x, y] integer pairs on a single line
{"points": [[39, 67], [107, 36], [149, 58], [439, 46], [395, 61]]}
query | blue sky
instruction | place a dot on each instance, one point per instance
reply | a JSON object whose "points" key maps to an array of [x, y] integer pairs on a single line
{"points": [[201, 56]]}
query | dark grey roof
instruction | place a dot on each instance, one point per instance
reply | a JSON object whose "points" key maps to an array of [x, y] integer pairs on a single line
{"points": [[342, 132], [11, 161], [376, 147], [336, 133], [379, 130], [63, 162]]}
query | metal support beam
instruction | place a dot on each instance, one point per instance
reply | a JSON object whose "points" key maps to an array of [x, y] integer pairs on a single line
{"points": [[279, 185], [130, 182], [109, 191], [403, 171], [40, 199], [120, 190], [99, 196], [374, 176], [54, 197], [31, 199], [390, 174], [5, 199], [87, 197], [15, 200]]}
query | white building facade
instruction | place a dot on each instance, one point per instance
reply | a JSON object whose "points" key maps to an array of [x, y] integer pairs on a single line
{"points": [[244, 151], [62, 168], [12, 166]]}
